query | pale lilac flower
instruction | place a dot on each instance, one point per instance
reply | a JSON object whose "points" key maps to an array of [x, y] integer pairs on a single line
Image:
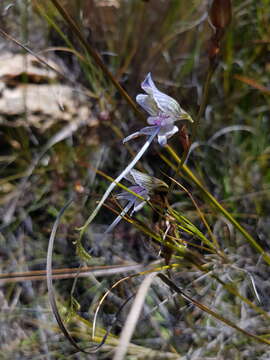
{"points": [[143, 185], [163, 111]]}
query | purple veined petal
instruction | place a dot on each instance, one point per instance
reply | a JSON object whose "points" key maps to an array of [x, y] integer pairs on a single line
{"points": [[160, 120], [148, 183], [163, 102], [125, 196], [147, 103], [168, 105], [144, 180], [156, 101], [148, 85], [137, 189], [149, 130], [168, 130]]}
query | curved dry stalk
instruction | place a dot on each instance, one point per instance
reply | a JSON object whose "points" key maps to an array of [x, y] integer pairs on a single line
{"points": [[166, 267], [103, 299], [51, 288]]}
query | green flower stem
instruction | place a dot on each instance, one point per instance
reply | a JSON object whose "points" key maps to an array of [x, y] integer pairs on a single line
{"points": [[215, 202], [117, 180]]}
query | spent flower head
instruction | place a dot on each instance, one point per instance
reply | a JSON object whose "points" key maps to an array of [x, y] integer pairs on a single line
{"points": [[163, 111]]}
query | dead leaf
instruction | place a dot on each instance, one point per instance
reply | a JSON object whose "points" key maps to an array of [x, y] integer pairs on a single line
{"points": [[252, 83]]}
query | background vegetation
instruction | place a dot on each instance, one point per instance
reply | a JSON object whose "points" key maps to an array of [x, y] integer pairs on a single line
{"points": [[58, 127]]}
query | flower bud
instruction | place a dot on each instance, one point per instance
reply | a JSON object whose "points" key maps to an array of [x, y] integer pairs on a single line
{"points": [[221, 13]]}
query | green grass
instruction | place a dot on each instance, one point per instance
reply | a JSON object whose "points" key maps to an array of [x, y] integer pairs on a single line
{"points": [[211, 297]]}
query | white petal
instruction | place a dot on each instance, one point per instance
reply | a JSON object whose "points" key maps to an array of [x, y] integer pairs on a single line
{"points": [[132, 136], [172, 132], [169, 131], [158, 101], [166, 129], [162, 140], [165, 134], [138, 205], [164, 102], [148, 130], [125, 196], [147, 103], [148, 85]]}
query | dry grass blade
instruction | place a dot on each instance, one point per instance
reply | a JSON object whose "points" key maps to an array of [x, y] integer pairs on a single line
{"points": [[229, 129], [119, 282], [103, 299], [206, 309], [50, 284], [133, 317], [61, 135], [76, 30], [201, 215], [38, 58], [253, 83], [218, 206], [68, 273]]}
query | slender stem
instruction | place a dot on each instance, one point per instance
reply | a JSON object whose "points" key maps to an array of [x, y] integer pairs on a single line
{"points": [[118, 179], [119, 217], [203, 104], [195, 124]]}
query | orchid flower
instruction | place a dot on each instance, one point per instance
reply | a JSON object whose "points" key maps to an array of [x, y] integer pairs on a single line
{"points": [[163, 110], [143, 185]]}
